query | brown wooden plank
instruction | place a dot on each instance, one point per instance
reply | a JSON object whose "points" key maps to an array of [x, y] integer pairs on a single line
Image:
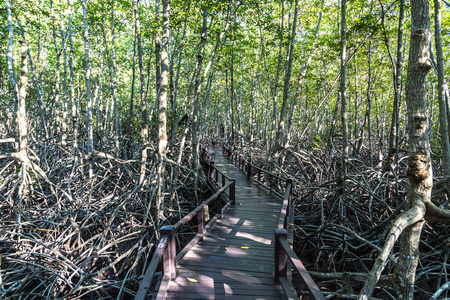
{"points": [[205, 296], [224, 276]]}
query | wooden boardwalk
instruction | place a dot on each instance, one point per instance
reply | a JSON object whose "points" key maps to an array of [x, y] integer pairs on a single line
{"points": [[235, 258]]}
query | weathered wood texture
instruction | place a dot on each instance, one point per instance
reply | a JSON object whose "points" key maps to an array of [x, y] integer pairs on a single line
{"points": [[220, 266]]}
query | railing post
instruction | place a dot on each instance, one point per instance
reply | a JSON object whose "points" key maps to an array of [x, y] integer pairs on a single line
{"points": [[280, 256], [289, 185], [200, 226], [249, 170], [233, 190], [211, 170], [170, 252], [240, 161], [216, 176], [259, 175], [223, 180], [270, 182], [219, 205]]}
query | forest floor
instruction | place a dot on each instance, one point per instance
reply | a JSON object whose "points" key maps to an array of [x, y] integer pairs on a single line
{"points": [[80, 237]]}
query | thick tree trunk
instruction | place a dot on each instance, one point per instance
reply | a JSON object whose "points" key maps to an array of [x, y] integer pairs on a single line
{"points": [[162, 108], [420, 173]]}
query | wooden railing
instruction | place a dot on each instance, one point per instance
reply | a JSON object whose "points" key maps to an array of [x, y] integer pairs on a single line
{"points": [[283, 251], [166, 249]]}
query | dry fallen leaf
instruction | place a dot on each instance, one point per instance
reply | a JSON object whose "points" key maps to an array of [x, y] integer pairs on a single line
{"points": [[245, 247], [191, 279]]}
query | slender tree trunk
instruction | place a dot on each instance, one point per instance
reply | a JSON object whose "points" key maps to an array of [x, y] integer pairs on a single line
{"points": [[57, 74], [287, 79], [443, 121], [369, 104], [72, 81], [90, 137], [23, 129], [300, 79], [65, 105], [112, 75], [9, 55], [343, 96], [174, 127], [198, 82], [393, 136], [130, 116], [157, 49], [277, 78], [162, 107], [39, 98], [144, 113]]}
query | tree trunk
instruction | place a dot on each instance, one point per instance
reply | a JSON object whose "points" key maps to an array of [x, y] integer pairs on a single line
{"points": [[72, 82], [129, 148], [287, 79], [343, 96], [162, 107], [420, 173], [198, 82], [144, 113], [157, 49], [9, 55], [277, 78], [39, 98], [56, 91], [393, 136], [174, 127], [90, 138], [300, 79], [65, 104], [443, 121], [112, 75]]}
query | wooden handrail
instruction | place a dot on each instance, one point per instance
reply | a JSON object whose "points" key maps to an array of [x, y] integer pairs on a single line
{"points": [[283, 252], [166, 249], [285, 212], [151, 270]]}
